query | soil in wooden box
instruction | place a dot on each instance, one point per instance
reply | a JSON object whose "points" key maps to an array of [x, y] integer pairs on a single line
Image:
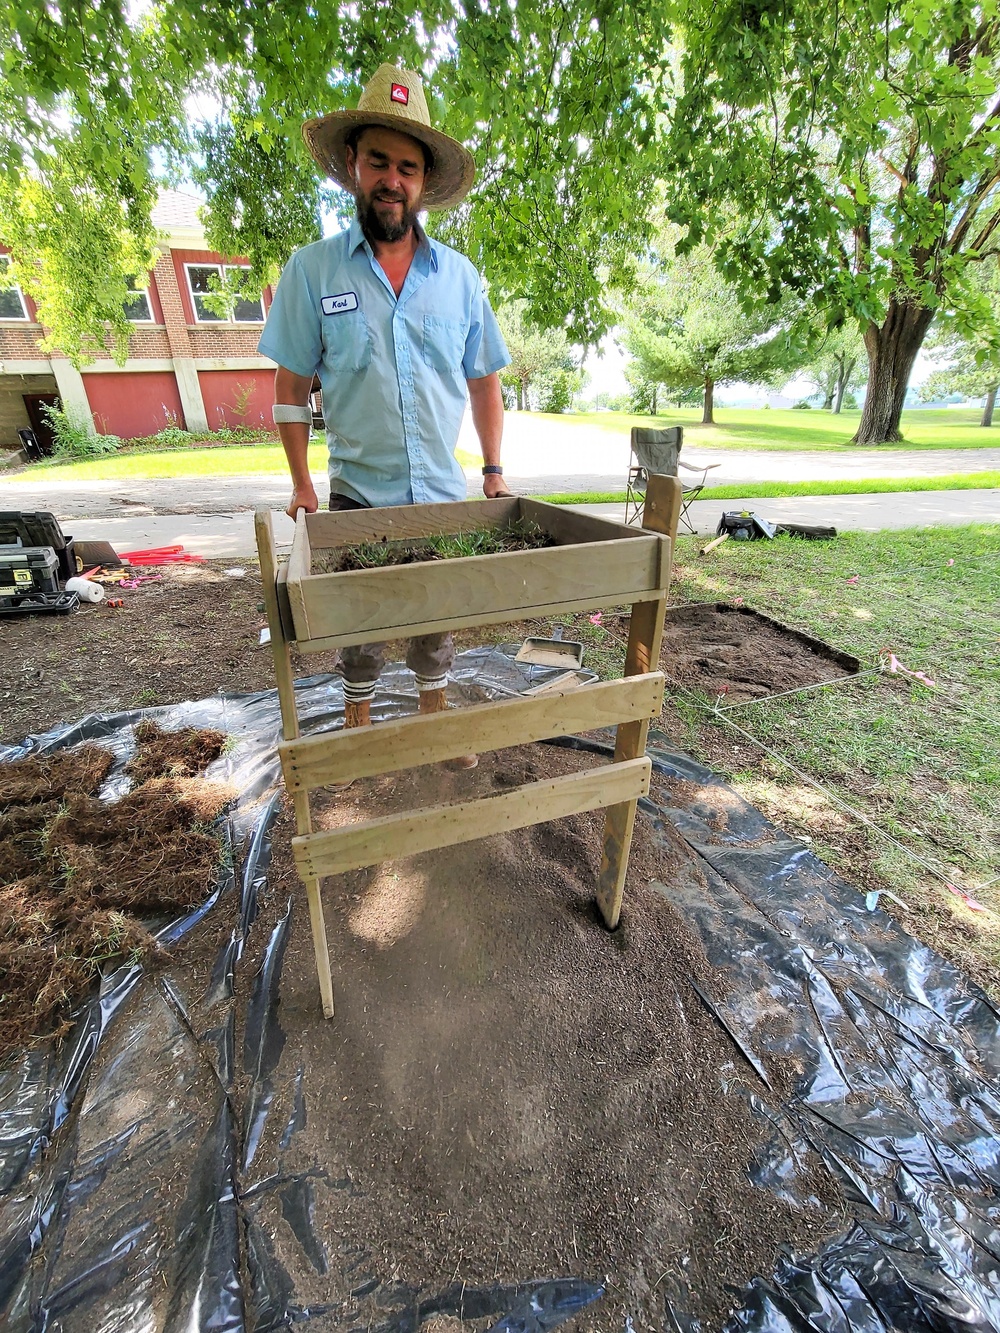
{"points": [[507, 1092], [78, 873], [518, 536]]}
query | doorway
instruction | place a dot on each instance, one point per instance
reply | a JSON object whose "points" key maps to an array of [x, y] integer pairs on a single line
{"points": [[33, 404]]}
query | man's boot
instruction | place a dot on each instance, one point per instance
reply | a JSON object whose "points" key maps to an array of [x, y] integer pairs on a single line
{"points": [[357, 714], [434, 701]]}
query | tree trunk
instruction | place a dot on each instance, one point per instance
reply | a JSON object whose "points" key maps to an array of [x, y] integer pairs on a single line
{"points": [[828, 401], [991, 399], [844, 372], [655, 387], [892, 350], [707, 417]]}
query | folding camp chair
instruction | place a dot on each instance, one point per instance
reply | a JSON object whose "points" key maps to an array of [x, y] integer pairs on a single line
{"points": [[658, 451]]}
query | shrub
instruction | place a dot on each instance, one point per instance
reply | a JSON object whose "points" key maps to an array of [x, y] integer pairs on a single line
{"points": [[557, 394], [72, 437], [170, 437], [802, 407]]}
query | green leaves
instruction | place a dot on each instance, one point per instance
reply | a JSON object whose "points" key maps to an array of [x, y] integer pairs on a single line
{"points": [[687, 327], [563, 107]]}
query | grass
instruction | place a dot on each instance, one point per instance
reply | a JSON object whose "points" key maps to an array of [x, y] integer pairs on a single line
{"points": [[952, 481], [444, 546], [921, 764], [218, 461], [783, 429]]}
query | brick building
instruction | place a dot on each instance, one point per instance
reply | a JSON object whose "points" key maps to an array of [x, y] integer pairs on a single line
{"points": [[186, 365]]}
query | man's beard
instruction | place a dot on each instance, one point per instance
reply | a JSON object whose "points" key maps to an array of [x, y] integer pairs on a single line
{"points": [[384, 228]]}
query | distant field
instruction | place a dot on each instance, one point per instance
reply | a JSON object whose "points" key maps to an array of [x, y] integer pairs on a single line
{"points": [[762, 428]]}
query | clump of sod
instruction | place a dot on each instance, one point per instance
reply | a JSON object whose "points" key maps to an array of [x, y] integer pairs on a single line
{"points": [[518, 536], [77, 874]]}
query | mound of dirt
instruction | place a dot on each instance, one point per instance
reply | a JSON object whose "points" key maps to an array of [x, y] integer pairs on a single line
{"points": [[507, 1091], [77, 872]]}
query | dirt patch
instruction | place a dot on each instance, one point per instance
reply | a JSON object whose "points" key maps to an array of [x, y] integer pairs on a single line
{"points": [[77, 873], [507, 1091], [193, 633], [731, 651]]}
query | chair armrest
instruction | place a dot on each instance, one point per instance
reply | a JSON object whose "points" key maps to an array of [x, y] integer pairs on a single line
{"points": [[698, 467]]}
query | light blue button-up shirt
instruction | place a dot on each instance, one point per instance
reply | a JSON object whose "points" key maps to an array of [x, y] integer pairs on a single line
{"points": [[393, 370]]}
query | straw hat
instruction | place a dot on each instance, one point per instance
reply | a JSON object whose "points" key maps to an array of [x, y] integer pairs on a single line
{"points": [[394, 98]]}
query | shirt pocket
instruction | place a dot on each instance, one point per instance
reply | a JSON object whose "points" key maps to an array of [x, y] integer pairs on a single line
{"points": [[348, 342], [443, 343]]}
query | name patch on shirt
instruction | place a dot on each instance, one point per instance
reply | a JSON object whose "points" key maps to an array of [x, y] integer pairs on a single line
{"points": [[339, 305]]}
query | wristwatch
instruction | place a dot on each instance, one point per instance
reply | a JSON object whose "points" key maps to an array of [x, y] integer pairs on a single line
{"points": [[494, 468]]}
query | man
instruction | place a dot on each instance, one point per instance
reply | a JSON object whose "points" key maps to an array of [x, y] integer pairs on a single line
{"points": [[399, 330]]}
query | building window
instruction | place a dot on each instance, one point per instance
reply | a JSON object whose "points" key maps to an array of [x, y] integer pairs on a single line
{"points": [[137, 306], [205, 280], [12, 304]]}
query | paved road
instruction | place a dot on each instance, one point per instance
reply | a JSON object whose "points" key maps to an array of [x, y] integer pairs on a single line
{"points": [[213, 516]]}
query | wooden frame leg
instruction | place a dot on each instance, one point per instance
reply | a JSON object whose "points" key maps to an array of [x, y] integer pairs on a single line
{"points": [[281, 653], [660, 514]]}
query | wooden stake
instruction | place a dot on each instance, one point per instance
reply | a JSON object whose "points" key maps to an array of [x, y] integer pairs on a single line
{"points": [[281, 653], [661, 514]]}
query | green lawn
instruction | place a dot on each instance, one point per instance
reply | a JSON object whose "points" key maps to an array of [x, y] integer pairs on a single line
{"points": [[763, 490], [762, 428], [215, 461]]}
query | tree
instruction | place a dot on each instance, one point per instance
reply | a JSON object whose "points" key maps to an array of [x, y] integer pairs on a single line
{"points": [[643, 393], [687, 330], [974, 362], [860, 143], [536, 355], [839, 367], [545, 94]]}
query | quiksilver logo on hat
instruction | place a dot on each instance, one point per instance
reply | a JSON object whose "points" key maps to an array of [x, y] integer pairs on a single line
{"points": [[400, 93]]}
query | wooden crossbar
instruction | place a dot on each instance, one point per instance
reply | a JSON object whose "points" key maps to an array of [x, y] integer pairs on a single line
{"points": [[476, 619], [393, 836], [411, 741]]}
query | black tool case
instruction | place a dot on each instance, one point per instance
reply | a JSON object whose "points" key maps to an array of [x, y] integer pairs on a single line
{"points": [[28, 569], [18, 528]]}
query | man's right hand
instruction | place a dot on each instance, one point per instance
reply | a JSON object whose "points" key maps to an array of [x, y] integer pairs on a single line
{"points": [[303, 497]]}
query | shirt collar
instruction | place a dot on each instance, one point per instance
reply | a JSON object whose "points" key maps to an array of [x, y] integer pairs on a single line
{"points": [[356, 238]]}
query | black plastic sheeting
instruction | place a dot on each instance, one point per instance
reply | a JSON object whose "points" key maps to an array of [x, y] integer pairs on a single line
{"points": [[128, 1194]]}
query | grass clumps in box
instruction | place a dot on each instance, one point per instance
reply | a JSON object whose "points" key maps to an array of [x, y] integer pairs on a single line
{"points": [[518, 536]]}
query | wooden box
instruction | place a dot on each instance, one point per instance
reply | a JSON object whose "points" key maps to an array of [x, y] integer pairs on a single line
{"points": [[596, 563]]}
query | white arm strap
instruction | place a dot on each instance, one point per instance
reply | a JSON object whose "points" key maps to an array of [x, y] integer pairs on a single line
{"points": [[283, 412]]}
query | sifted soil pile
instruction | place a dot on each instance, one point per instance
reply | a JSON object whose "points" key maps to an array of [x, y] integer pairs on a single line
{"points": [[76, 873], [508, 1092]]}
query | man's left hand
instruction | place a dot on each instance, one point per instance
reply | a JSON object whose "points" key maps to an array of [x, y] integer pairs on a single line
{"points": [[494, 486]]}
